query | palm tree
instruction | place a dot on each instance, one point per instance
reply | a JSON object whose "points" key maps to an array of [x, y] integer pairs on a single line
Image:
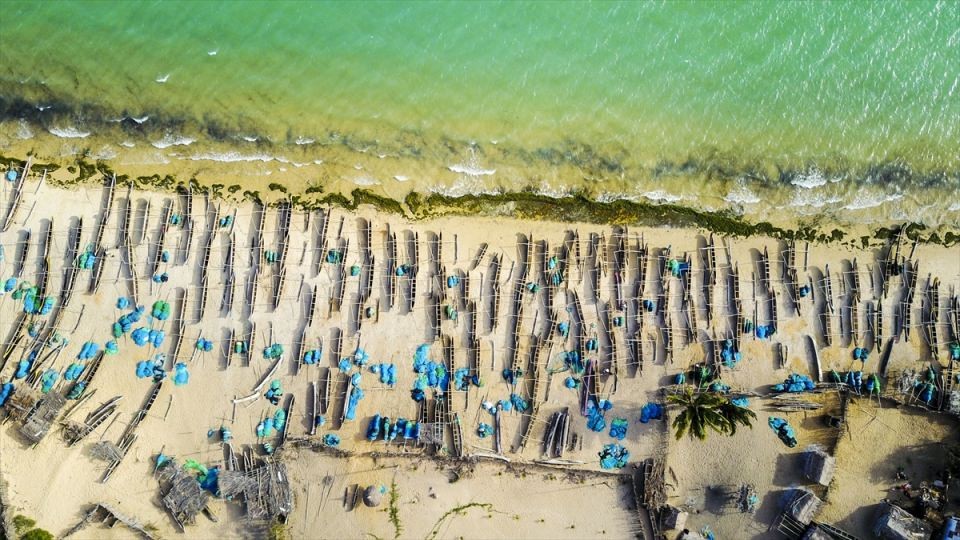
{"points": [[708, 410]]}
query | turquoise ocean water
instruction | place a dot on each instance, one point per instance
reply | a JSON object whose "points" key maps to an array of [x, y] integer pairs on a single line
{"points": [[848, 109]]}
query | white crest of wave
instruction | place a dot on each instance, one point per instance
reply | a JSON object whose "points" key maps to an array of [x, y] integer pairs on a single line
{"points": [[304, 140], [234, 157], [401, 178], [169, 140], [741, 195], [68, 132], [862, 202], [471, 167], [366, 181], [810, 180], [660, 195]]}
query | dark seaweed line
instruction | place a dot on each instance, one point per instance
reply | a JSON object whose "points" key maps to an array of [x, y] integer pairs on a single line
{"points": [[522, 205]]}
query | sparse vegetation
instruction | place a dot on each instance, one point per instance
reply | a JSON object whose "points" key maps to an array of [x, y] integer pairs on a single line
{"points": [[37, 534], [25, 529], [457, 510], [22, 523], [394, 510], [277, 531]]}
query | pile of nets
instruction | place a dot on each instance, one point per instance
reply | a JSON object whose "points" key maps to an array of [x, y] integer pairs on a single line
{"points": [[649, 305], [403, 270], [484, 430], [126, 321], [23, 368], [452, 281], [563, 329], [143, 335], [152, 368], [955, 351], [613, 456], [861, 353], [677, 268], [279, 419], [161, 310], [380, 427], [741, 402], [519, 403], [728, 355], [430, 374], [795, 383], [176, 219], [273, 351], [618, 428], [9, 285], [450, 312], [571, 382], [111, 347], [720, 387], [387, 373], [226, 221], [805, 291], [765, 331], [334, 256], [240, 347], [73, 371], [361, 357], [6, 390], [165, 256], [460, 379], [32, 304], [331, 440], [270, 256], [511, 375], [310, 357], [533, 287], [591, 345], [595, 412], [854, 380], [48, 379], [356, 395], [274, 393], [651, 411], [783, 430], [265, 428], [88, 350], [86, 260], [77, 390], [162, 277], [181, 376]]}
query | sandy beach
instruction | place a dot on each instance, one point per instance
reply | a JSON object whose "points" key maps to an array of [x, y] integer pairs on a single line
{"points": [[326, 280]]}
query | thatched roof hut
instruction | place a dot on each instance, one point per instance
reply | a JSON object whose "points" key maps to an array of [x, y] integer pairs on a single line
{"points": [[818, 465], [895, 523], [372, 496], [804, 506]]}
